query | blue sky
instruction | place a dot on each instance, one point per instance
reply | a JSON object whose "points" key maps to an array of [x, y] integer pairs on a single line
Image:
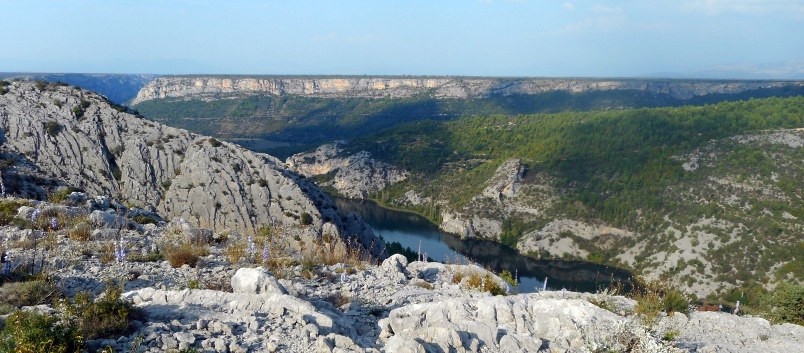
{"points": [[473, 37]]}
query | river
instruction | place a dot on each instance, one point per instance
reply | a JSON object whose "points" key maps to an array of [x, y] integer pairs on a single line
{"points": [[413, 231]]}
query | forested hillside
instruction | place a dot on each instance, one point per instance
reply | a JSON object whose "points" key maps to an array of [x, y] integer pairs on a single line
{"points": [[314, 120], [709, 194]]}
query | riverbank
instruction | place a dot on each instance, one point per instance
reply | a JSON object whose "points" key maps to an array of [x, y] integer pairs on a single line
{"points": [[414, 231]]}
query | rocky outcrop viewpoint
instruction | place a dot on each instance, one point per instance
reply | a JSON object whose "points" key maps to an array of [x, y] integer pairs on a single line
{"points": [[56, 136]]}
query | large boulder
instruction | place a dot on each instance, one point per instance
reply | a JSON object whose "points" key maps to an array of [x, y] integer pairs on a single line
{"points": [[395, 263], [256, 281]]}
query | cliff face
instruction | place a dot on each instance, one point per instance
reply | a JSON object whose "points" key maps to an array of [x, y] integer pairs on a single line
{"points": [[438, 87], [61, 135], [354, 176]]}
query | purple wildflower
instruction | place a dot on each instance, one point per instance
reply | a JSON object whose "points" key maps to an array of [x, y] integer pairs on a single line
{"points": [[120, 251], [54, 223], [7, 258], [35, 214]]}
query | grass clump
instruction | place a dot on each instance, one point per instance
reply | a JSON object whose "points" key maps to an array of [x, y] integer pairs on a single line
{"points": [[653, 298], [474, 280], [28, 293], [8, 210], [185, 253]]}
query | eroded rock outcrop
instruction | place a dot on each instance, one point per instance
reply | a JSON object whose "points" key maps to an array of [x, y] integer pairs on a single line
{"points": [[56, 135], [354, 176]]}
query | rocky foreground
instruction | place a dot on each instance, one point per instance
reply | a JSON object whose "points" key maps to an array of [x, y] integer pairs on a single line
{"points": [[354, 306]]}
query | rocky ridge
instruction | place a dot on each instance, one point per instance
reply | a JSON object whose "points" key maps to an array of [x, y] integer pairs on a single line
{"points": [[208, 87], [392, 307], [119, 88], [61, 136], [354, 176]]}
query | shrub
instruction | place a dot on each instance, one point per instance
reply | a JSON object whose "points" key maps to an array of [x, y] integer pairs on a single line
{"points": [[80, 232], [214, 142], [483, 283], [52, 128], [675, 302], [28, 293], [30, 331], [184, 254], [144, 219], [78, 112], [109, 316], [306, 219], [508, 277], [787, 303], [59, 196], [8, 210], [57, 102]]}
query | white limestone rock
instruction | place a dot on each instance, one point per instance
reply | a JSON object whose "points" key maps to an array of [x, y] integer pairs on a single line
{"points": [[256, 281]]}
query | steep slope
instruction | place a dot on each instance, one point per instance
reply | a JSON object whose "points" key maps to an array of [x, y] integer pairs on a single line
{"points": [[315, 110], [56, 135], [707, 197]]}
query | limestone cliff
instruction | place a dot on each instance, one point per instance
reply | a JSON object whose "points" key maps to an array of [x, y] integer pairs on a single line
{"points": [[439, 87], [354, 176], [60, 135]]}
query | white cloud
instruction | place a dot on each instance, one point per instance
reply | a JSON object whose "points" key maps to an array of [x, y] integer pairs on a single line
{"points": [[568, 6]]}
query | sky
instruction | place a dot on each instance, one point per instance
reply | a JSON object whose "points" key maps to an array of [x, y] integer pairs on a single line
{"points": [[532, 38]]}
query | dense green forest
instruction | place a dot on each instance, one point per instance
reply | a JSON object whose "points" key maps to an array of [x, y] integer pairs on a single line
{"points": [[307, 120], [624, 168]]}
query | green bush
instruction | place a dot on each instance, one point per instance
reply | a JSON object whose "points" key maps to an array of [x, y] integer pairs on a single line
{"points": [[509, 277], [59, 196], [30, 331], [214, 142], [107, 317], [144, 219], [52, 128], [306, 219], [675, 302], [78, 112], [8, 210], [787, 303]]}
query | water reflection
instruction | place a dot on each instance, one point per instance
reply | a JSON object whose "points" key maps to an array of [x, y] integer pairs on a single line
{"points": [[412, 231]]}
